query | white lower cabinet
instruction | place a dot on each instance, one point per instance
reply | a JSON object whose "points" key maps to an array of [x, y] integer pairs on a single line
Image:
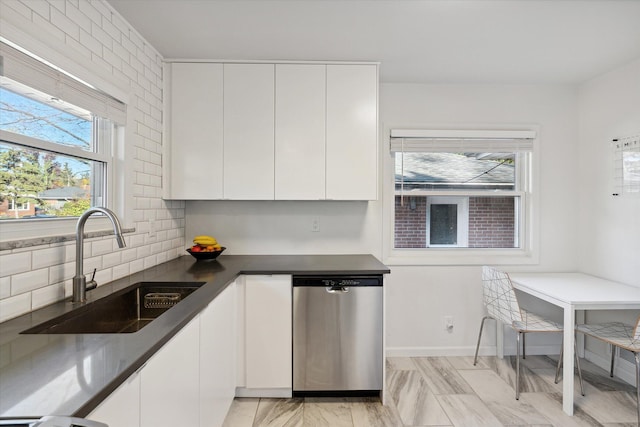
{"points": [[218, 358], [267, 335], [169, 383], [190, 381], [122, 407]]}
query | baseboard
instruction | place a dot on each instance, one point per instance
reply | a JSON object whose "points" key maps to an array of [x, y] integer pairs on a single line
{"points": [[624, 370], [264, 392], [467, 351]]}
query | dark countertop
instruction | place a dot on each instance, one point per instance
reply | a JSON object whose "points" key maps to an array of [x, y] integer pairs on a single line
{"points": [[71, 374]]}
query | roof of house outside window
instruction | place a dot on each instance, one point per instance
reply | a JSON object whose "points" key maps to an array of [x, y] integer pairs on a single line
{"points": [[455, 171]]}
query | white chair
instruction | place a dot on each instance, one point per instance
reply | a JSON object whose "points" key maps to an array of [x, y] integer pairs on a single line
{"points": [[618, 335], [502, 305]]}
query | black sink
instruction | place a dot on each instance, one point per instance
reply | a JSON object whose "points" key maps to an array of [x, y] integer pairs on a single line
{"points": [[125, 311]]}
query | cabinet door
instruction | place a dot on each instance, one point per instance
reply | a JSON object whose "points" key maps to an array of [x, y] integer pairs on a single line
{"points": [[248, 131], [218, 358], [352, 132], [169, 383], [122, 407], [268, 331], [194, 126], [300, 132]]}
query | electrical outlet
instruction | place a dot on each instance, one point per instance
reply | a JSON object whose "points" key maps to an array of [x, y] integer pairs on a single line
{"points": [[315, 224], [448, 323]]}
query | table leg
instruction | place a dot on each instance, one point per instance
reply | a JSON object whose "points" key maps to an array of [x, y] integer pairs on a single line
{"points": [[568, 362]]}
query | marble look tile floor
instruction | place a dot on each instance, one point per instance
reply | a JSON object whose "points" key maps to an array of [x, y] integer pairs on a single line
{"points": [[450, 391]]}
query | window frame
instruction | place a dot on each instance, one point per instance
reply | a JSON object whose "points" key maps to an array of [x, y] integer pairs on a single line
{"points": [[527, 182], [119, 172]]}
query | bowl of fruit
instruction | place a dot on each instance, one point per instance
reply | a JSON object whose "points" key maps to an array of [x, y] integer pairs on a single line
{"points": [[205, 248]]}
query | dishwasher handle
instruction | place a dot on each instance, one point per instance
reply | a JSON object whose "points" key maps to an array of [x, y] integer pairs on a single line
{"points": [[337, 289]]}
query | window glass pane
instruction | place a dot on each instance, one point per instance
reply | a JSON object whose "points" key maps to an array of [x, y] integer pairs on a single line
{"points": [[47, 184], [36, 115], [455, 171], [443, 225], [492, 222]]}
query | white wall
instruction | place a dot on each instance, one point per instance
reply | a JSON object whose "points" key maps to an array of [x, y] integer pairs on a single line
{"points": [[609, 238], [93, 38], [418, 297], [609, 225]]}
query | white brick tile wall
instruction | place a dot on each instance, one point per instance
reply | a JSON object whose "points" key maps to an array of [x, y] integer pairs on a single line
{"points": [[38, 6], [92, 32], [29, 281], [15, 306], [91, 12], [5, 287], [47, 295], [48, 257], [15, 263]]}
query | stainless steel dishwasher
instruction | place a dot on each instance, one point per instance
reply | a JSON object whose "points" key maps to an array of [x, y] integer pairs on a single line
{"points": [[337, 335]]}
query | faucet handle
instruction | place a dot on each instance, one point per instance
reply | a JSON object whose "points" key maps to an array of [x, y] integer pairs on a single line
{"points": [[92, 284]]}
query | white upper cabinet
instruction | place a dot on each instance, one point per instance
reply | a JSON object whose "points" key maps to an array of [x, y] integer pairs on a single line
{"points": [[286, 131], [193, 123], [249, 131], [352, 132], [300, 132]]}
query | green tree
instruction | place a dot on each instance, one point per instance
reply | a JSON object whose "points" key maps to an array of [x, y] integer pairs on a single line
{"points": [[74, 208], [21, 178]]}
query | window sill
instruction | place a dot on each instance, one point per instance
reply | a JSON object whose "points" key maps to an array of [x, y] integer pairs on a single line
{"points": [[8, 245], [458, 256]]}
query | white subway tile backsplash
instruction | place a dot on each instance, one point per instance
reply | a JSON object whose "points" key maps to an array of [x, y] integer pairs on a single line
{"points": [[29, 281], [17, 7], [5, 287], [47, 295], [48, 257], [48, 29], [112, 259], [37, 6], [102, 7], [78, 17], [137, 240], [58, 4], [91, 12], [103, 276], [65, 24], [137, 265], [111, 29], [120, 270], [150, 261], [101, 247], [61, 272], [128, 255], [90, 42], [15, 263], [15, 306]]}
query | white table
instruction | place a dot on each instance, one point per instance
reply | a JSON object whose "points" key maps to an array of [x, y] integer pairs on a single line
{"points": [[571, 292]]}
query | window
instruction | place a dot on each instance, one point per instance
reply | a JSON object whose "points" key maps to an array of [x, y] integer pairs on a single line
{"points": [[56, 138], [18, 206], [461, 189]]}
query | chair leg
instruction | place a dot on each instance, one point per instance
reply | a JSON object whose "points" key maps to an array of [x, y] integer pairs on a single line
{"points": [[637, 356], [613, 358], [559, 363], [575, 352], [518, 365], [524, 352], [475, 358]]}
